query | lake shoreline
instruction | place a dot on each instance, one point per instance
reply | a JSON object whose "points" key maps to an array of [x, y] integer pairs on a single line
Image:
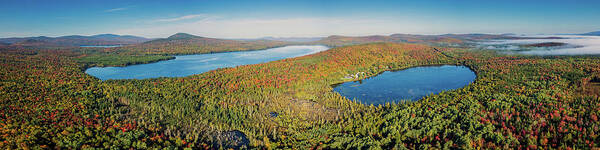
{"points": [[414, 85], [400, 69], [185, 54], [203, 61]]}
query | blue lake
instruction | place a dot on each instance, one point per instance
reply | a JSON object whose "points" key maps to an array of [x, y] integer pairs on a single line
{"points": [[408, 84], [186, 65]]}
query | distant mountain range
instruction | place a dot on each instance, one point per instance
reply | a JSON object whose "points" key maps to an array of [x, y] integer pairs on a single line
{"points": [[596, 33], [293, 39], [285, 39], [337, 40], [183, 43], [74, 40]]}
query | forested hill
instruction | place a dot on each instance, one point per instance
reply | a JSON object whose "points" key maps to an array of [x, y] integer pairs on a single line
{"points": [[183, 43], [73, 40], [592, 33], [337, 40], [445, 39]]}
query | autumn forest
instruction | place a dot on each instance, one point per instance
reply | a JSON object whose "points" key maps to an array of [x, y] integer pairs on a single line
{"points": [[291, 91]]}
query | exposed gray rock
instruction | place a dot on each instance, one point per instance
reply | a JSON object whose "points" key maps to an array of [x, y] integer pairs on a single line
{"points": [[231, 140]]}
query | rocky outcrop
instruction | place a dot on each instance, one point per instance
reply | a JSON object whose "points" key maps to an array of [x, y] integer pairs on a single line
{"points": [[231, 140]]}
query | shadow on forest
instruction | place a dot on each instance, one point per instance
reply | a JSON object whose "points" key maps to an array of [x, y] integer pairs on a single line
{"points": [[592, 86]]}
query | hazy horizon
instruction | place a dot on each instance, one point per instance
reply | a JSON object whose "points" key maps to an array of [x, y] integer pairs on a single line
{"points": [[267, 36], [257, 19]]}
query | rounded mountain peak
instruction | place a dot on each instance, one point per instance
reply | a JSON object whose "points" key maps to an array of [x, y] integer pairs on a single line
{"points": [[182, 36]]}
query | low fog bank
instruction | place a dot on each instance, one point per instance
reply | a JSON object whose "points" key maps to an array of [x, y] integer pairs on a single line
{"points": [[574, 45]]}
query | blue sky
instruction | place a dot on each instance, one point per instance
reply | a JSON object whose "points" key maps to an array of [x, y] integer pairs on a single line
{"points": [[251, 19]]}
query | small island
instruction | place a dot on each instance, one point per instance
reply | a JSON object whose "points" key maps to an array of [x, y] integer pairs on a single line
{"points": [[545, 44]]}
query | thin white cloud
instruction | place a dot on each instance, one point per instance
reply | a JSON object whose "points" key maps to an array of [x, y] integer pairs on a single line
{"points": [[186, 17], [116, 9]]}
